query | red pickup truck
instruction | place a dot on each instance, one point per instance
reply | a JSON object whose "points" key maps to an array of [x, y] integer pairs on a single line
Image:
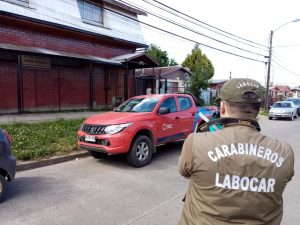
{"points": [[140, 124]]}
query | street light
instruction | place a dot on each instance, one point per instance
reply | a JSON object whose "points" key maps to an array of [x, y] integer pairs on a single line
{"points": [[270, 59]]}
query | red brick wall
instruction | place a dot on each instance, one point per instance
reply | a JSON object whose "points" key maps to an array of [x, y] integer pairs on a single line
{"points": [[99, 83], [64, 87], [39, 89], [22, 36], [75, 87], [44, 90], [8, 87], [131, 84]]}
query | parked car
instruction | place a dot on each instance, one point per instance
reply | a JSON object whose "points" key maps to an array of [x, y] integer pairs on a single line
{"points": [[141, 123], [283, 109], [7, 162], [296, 101]]}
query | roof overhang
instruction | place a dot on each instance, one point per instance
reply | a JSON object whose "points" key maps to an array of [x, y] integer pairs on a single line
{"points": [[44, 51], [127, 7], [295, 89], [136, 60]]}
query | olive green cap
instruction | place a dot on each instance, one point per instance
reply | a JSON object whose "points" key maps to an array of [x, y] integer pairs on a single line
{"points": [[242, 90]]}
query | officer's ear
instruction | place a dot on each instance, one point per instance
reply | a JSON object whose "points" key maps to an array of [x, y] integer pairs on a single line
{"points": [[222, 108]]}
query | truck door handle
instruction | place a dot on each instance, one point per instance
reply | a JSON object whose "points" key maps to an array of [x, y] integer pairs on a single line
{"points": [[177, 118], [193, 114]]}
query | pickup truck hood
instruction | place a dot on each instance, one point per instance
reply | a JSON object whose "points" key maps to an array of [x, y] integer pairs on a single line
{"points": [[108, 118]]}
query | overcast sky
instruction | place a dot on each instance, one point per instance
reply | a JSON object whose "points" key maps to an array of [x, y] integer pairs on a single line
{"points": [[252, 20]]}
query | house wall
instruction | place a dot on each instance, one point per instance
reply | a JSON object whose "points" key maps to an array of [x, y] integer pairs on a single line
{"points": [[8, 87], [67, 13], [99, 86], [60, 88], [131, 84], [176, 75], [32, 37], [175, 82], [65, 87]]}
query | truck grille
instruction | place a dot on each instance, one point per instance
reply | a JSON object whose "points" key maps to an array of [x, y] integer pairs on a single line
{"points": [[93, 129]]}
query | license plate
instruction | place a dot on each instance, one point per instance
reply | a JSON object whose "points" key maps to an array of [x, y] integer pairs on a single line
{"points": [[90, 138]]}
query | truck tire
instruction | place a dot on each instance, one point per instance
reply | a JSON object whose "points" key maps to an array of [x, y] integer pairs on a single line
{"points": [[2, 187], [97, 155], [141, 151]]}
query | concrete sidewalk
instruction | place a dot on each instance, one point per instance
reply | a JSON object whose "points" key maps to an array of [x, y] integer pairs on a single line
{"points": [[39, 117]]}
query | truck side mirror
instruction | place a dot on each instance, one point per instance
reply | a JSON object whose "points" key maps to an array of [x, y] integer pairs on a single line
{"points": [[163, 110]]}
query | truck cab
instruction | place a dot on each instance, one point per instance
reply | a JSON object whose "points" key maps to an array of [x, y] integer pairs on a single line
{"points": [[138, 125]]}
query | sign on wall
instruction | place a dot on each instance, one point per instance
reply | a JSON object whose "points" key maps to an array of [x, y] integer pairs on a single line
{"points": [[38, 62]]}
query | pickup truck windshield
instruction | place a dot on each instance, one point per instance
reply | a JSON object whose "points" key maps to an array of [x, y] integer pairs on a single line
{"points": [[138, 105]]}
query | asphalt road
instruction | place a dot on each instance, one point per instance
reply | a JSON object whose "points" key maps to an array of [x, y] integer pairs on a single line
{"points": [[110, 192]]}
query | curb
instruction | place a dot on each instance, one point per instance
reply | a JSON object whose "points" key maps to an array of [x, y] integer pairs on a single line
{"points": [[48, 162]]}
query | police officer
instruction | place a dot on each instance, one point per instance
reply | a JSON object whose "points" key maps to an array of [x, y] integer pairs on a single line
{"points": [[237, 174]]}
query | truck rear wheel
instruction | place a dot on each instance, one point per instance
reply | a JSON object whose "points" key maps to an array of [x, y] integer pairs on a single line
{"points": [[141, 151], [2, 187]]}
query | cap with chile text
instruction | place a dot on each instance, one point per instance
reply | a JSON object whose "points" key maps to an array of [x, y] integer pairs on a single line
{"points": [[242, 90]]}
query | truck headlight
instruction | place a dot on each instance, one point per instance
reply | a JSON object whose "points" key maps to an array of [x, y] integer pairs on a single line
{"points": [[113, 129]]}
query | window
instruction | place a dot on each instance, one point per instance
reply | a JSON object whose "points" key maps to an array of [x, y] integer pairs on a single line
{"points": [[19, 2], [138, 105], [185, 103], [282, 105], [170, 103], [90, 12], [172, 87]]}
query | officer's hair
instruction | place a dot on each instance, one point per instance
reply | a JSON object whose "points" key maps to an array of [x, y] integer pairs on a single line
{"points": [[243, 110]]}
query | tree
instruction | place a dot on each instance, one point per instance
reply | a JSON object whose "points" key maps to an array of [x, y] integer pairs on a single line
{"points": [[160, 56], [173, 62], [201, 68]]}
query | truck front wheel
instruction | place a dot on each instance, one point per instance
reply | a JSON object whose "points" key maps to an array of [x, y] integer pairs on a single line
{"points": [[2, 187], [141, 151]]}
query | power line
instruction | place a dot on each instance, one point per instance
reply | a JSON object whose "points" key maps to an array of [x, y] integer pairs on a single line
{"points": [[200, 25], [192, 30], [291, 72], [275, 54], [136, 20], [206, 23], [202, 43], [180, 36], [286, 46], [171, 33]]}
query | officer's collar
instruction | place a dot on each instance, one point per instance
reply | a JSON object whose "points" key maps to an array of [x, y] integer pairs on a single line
{"points": [[228, 121]]}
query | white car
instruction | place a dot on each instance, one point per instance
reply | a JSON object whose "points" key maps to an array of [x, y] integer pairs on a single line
{"points": [[283, 109]]}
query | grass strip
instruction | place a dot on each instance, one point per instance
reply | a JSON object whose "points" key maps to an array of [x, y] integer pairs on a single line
{"points": [[33, 141]]}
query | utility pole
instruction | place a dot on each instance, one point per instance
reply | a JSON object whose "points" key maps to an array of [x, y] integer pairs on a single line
{"points": [[270, 59], [269, 71]]}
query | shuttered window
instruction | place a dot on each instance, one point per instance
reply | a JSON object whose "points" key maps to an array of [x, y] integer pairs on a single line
{"points": [[90, 12]]}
